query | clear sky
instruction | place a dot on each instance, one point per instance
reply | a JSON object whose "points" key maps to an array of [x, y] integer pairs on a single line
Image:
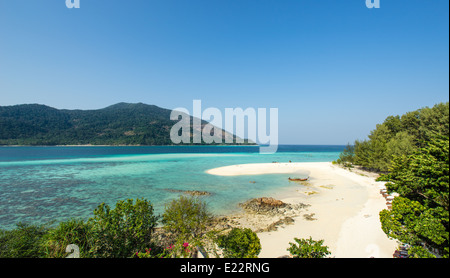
{"points": [[333, 68]]}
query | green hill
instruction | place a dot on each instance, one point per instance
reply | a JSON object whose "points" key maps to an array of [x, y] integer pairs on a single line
{"points": [[119, 124]]}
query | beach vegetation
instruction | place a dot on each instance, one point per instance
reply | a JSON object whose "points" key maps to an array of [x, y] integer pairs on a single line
{"points": [[26, 241], [420, 216], [239, 243], [73, 231], [129, 230], [186, 218], [122, 231], [308, 248], [346, 157], [397, 136]]}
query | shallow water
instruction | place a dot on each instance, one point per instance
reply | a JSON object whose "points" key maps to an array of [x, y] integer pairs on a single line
{"points": [[41, 184]]}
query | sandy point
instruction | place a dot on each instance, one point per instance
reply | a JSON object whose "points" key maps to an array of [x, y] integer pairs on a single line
{"points": [[344, 210]]}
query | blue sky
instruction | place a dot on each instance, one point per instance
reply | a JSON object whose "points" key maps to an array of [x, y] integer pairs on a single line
{"points": [[333, 68]]}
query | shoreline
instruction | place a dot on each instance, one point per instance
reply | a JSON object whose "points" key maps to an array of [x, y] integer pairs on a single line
{"points": [[343, 210]]}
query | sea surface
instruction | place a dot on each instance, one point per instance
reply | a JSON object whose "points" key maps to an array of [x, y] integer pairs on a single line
{"points": [[43, 184]]}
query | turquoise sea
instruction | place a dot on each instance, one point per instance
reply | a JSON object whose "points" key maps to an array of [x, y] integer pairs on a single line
{"points": [[42, 184]]}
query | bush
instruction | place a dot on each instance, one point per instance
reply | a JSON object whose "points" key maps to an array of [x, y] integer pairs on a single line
{"points": [[74, 231], [24, 242], [308, 248], [186, 218], [240, 243], [124, 230]]}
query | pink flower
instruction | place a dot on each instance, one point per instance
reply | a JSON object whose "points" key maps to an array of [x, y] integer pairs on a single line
{"points": [[185, 244]]}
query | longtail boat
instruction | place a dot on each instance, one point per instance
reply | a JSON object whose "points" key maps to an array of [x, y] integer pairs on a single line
{"points": [[299, 179]]}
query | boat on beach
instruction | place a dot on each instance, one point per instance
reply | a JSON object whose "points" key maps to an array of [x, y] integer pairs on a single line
{"points": [[305, 179]]}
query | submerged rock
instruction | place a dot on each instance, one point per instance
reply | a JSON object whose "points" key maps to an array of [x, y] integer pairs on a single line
{"points": [[191, 192], [197, 193]]}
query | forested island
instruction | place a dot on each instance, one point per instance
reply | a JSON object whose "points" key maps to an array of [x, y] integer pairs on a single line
{"points": [[129, 124], [412, 154]]}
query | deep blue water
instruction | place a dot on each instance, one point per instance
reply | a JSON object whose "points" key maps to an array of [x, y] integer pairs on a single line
{"points": [[40, 184]]}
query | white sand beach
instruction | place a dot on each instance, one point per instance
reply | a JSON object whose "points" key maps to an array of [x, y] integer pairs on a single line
{"points": [[344, 210]]}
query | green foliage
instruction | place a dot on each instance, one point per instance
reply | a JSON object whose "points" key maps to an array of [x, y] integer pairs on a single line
{"points": [[420, 217], [433, 121], [308, 248], [347, 156], [401, 144], [186, 218], [398, 136], [117, 233], [124, 230], [379, 139], [74, 231], [239, 243], [24, 242], [423, 176], [412, 223], [362, 153]]}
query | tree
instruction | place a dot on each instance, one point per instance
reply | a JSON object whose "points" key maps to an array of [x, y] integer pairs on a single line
{"points": [[398, 136], [347, 155], [401, 144], [420, 217], [240, 243], [186, 218], [124, 230], [394, 124], [424, 175], [362, 153], [379, 138], [308, 248], [434, 121]]}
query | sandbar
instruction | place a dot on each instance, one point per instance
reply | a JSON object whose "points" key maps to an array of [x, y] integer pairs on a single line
{"points": [[344, 209]]}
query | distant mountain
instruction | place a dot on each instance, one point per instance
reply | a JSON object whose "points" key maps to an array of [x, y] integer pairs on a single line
{"points": [[119, 124]]}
